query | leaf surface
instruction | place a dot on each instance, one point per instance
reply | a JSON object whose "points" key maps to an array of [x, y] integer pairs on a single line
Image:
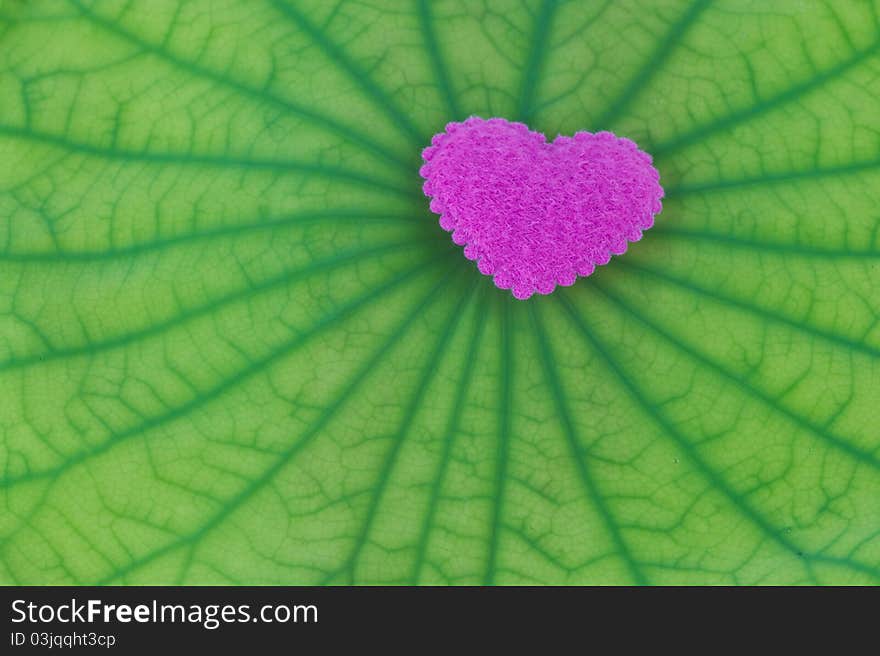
{"points": [[235, 347]]}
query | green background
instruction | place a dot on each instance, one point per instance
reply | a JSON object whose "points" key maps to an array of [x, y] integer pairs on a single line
{"points": [[235, 346]]}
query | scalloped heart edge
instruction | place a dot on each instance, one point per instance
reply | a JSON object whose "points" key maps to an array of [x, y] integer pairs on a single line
{"points": [[571, 276]]}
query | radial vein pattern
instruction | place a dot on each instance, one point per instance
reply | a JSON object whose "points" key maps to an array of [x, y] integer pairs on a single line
{"points": [[236, 347]]}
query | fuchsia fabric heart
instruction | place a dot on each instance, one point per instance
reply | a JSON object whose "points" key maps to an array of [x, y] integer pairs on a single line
{"points": [[535, 214]]}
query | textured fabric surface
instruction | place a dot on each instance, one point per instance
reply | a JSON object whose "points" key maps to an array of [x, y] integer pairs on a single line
{"points": [[535, 214]]}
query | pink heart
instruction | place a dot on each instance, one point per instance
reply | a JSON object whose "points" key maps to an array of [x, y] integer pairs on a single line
{"points": [[535, 214]]}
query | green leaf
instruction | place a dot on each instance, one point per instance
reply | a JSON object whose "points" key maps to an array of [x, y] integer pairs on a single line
{"points": [[235, 346]]}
